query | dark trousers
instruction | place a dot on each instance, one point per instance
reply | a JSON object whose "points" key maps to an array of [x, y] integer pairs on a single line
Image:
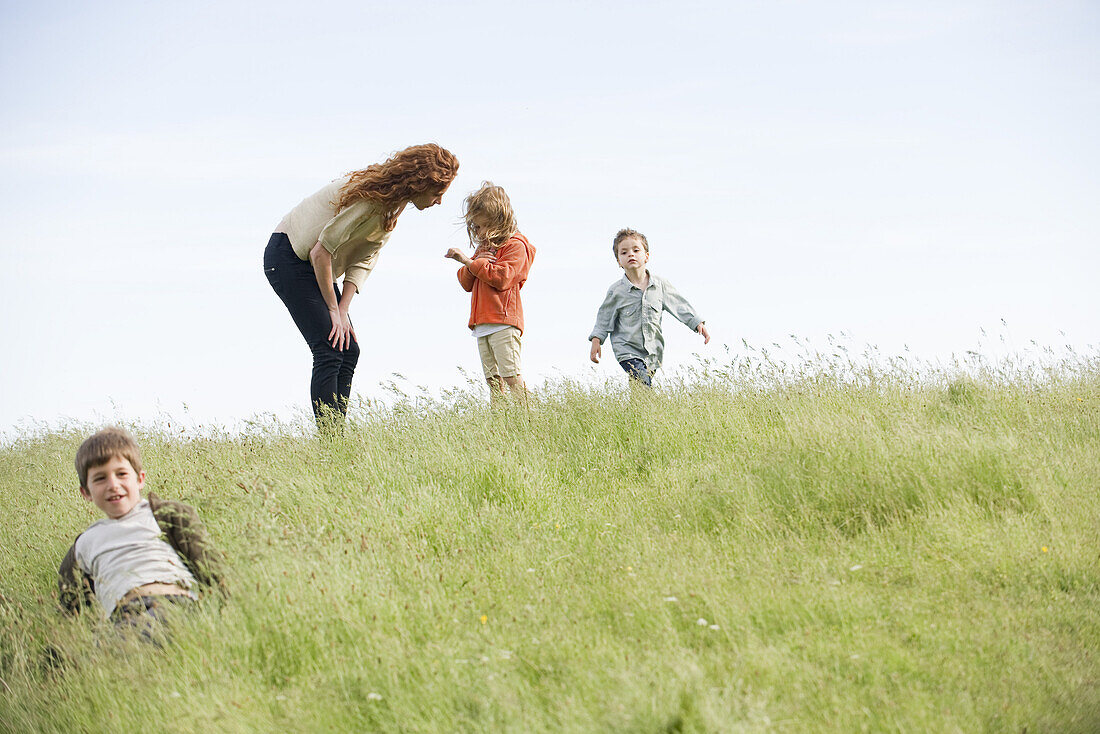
{"points": [[637, 370], [294, 282]]}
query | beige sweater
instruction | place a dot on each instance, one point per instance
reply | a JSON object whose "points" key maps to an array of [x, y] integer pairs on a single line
{"points": [[354, 236]]}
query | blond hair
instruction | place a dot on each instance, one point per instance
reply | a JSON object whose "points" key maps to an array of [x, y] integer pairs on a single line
{"points": [[493, 206], [101, 447], [415, 170], [625, 234]]}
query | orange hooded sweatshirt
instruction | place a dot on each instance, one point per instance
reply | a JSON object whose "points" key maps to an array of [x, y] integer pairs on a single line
{"points": [[495, 285]]}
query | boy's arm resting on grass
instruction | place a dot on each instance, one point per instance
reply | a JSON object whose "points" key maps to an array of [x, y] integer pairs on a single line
{"points": [[503, 271], [187, 535], [75, 589]]}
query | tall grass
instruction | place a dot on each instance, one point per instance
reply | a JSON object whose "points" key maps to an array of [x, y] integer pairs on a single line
{"points": [[832, 545]]}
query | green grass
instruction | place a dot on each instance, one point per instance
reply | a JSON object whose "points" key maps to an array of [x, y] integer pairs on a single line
{"points": [[865, 551]]}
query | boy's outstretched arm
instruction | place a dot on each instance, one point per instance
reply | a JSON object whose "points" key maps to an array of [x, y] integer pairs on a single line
{"points": [[679, 307], [188, 536]]}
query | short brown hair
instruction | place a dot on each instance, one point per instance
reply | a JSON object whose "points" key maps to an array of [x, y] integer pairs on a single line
{"points": [[493, 204], [101, 446], [624, 234]]}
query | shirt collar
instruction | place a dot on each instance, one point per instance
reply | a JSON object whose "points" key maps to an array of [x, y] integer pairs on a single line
{"points": [[630, 285]]}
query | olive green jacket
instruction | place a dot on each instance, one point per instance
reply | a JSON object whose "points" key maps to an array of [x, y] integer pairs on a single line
{"points": [[182, 530]]}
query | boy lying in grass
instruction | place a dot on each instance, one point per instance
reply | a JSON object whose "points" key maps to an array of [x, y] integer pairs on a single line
{"points": [[147, 556]]}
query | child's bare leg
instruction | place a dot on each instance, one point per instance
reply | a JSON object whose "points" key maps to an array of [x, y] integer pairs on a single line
{"points": [[517, 390], [496, 389]]}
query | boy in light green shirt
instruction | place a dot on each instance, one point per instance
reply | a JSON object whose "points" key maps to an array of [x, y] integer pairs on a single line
{"points": [[632, 309]]}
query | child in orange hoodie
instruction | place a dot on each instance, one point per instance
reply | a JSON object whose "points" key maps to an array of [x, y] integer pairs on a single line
{"points": [[493, 276]]}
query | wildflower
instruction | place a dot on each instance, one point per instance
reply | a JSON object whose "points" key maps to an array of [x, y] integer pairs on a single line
{"points": [[175, 694], [530, 570], [671, 599], [701, 622], [715, 627], [372, 696], [280, 697], [855, 567], [1044, 549], [484, 618]]}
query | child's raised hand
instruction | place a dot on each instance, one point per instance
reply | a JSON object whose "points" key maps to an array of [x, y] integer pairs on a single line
{"points": [[702, 329], [486, 252], [456, 254]]}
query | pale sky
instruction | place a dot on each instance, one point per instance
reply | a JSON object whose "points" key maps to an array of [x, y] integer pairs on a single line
{"points": [[905, 173]]}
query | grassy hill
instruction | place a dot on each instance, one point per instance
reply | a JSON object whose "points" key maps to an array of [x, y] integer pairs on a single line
{"points": [[772, 552]]}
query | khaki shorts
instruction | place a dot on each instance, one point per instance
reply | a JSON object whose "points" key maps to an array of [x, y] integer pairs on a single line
{"points": [[500, 353]]}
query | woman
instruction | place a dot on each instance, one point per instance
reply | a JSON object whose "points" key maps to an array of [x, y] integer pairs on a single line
{"points": [[339, 231]]}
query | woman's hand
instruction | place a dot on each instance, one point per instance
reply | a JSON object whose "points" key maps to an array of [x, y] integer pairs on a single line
{"points": [[341, 334], [351, 329]]}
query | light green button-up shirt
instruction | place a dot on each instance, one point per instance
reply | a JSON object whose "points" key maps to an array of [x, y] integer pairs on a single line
{"points": [[633, 319]]}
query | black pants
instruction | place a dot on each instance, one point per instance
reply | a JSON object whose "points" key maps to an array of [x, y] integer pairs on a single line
{"points": [[295, 283], [637, 370]]}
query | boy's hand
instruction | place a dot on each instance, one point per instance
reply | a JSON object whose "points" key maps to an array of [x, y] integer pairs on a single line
{"points": [[702, 329], [595, 354], [456, 254]]}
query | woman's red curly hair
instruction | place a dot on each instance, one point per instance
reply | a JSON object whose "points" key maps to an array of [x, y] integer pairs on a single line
{"points": [[417, 169]]}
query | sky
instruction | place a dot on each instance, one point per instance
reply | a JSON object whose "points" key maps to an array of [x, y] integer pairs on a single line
{"points": [[907, 175]]}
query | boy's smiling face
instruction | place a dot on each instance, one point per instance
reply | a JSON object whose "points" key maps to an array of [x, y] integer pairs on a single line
{"points": [[114, 487]]}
